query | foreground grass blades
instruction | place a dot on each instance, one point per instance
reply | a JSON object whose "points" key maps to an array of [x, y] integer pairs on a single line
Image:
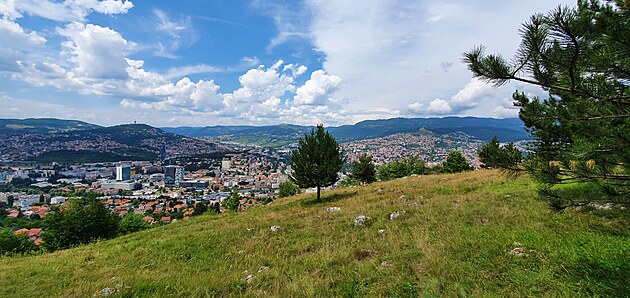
{"points": [[470, 234]]}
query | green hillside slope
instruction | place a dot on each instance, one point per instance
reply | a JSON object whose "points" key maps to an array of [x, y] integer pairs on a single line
{"points": [[452, 239]]}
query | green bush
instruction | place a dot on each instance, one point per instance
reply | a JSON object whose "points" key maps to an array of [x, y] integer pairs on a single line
{"points": [[11, 243], [288, 189], [80, 222], [131, 223], [402, 168]]}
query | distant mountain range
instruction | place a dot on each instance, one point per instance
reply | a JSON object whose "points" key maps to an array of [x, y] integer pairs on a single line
{"points": [[481, 128], [103, 144], [42, 125], [76, 141]]}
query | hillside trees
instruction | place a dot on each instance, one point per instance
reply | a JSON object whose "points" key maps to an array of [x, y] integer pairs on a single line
{"points": [[582, 58], [11, 243], [363, 170], [493, 155], [81, 221], [455, 163], [131, 223], [401, 168], [200, 208], [317, 160]]}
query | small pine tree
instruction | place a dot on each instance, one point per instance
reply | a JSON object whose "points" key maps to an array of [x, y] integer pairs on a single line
{"points": [[232, 202], [317, 160], [456, 162], [492, 155], [363, 170]]}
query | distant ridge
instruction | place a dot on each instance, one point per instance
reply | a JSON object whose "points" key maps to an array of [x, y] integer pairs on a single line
{"points": [[102, 144], [274, 136], [42, 126], [481, 128]]}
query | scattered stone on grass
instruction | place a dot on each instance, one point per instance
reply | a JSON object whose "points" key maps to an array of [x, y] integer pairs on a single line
{"points": [[333, 209], [386, 264], [381, 231], [275, 228], [361, 221], [248, 278], [519, 250], [379, 190], [404, 197], [105, 292], [263, 268], [395, 215]]}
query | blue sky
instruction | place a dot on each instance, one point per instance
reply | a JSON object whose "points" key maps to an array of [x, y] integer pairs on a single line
{"points": [[256, 62]]}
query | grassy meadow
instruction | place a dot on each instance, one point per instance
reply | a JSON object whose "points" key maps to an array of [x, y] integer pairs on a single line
{"points": [[454, 238]]}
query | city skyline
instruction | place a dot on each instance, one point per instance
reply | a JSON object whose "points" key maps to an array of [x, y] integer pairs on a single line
{"points": [[253, 62]]}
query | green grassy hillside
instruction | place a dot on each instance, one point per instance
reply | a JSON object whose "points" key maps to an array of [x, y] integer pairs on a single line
{"points": [[453, 239]]}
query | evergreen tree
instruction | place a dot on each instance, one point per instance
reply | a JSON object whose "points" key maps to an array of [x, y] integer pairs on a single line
{"points": [[363, 170], [232, 202], [493, 156], [582, 58], [456, 162], [317, 160]]}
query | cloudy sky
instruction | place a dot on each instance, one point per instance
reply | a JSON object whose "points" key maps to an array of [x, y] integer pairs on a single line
{"points": [[258, 62]]}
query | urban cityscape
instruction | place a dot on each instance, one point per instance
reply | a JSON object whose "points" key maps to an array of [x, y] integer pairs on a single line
{"points": [[166, 189]]}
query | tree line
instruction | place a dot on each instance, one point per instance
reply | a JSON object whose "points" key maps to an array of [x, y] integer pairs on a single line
{"points": [[318, 159]]}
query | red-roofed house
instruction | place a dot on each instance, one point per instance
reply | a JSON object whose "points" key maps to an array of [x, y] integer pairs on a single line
{"points": [[34, 233], [42, 213], [166, 219], [22, 231]]}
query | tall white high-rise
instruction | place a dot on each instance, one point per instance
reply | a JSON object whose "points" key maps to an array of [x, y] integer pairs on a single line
{"points": [[123, 172]]}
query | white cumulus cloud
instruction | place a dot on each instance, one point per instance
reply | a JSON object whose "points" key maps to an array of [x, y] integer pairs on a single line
{"points": [[66, 11], [465, 99], [99, 52], [317, 90]]}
